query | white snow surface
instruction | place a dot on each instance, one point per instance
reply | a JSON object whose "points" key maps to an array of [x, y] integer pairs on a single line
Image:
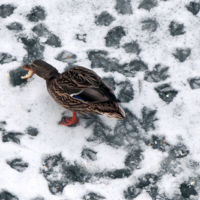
{"points": [[31, 105]]}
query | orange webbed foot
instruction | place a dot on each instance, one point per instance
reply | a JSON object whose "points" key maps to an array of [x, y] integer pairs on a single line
{"points": [[70, 120]]}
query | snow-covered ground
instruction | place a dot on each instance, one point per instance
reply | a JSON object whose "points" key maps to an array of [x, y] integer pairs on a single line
{"points": [[149, 53]]}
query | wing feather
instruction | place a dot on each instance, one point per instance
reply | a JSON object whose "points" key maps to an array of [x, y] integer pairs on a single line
{"points": [[87, 85]]}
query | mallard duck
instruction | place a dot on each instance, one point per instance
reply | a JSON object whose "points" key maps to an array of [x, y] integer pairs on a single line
{"points": [[78, 89]]}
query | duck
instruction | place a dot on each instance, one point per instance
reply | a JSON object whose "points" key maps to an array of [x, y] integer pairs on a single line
{"points": [[79, 90]]}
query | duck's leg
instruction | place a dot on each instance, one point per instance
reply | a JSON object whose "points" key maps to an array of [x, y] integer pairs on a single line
{"points": [[69, 121]]}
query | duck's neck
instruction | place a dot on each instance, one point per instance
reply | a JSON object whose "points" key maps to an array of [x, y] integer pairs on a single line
{"points": [[56, 75]]}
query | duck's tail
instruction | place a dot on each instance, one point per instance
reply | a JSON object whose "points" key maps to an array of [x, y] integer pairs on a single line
{"points": [[117, 114]]}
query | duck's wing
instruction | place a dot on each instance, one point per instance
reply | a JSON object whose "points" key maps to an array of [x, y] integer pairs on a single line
{"points": [[84, 84]]}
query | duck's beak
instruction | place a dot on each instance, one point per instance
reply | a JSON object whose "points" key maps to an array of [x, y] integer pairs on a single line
{"points": [[30, 72]]}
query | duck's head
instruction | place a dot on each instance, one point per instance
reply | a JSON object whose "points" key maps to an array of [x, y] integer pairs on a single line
{"points": [[41, 68]]}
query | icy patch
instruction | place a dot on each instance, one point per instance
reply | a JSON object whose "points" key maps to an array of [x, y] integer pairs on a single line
{"points": [[6, 10], [37, 13]]}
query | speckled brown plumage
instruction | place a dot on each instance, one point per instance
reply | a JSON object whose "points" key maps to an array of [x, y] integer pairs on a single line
{"points": [[79, 90]]}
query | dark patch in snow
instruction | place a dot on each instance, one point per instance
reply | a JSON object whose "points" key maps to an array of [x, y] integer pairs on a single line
{"points": [[193, 7], [11, 137], [187, 190], [104, 19], [93, 196], [194, 82], [34, 48], [166, 92], [132, 47], [59, 173], [115, 174], [152, 191], [182, 54], [91, 119], [148, 4], [127, 131], [38, 198], [130, 69], [56, 187], [37, 13], [179, 151], [172, 164], [32, 131], [41, 30], [15, 76], [18, 164], [101, 132], [124, 7], [6, 10], [5, 195], [67, 57], [157, 143], [89, 154], [126, 92], [6, 58], [132, 192], [133, 159], [2, 124], [146, 180], [149, 25], [148, 119], [99, 60], [53, 41], [176, 28], [15, 26], [137, 65], [81, 37], [159, 73], [114, 36]]}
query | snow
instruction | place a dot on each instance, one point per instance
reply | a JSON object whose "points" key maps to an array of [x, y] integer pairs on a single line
{"points": [[162, 125]]}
